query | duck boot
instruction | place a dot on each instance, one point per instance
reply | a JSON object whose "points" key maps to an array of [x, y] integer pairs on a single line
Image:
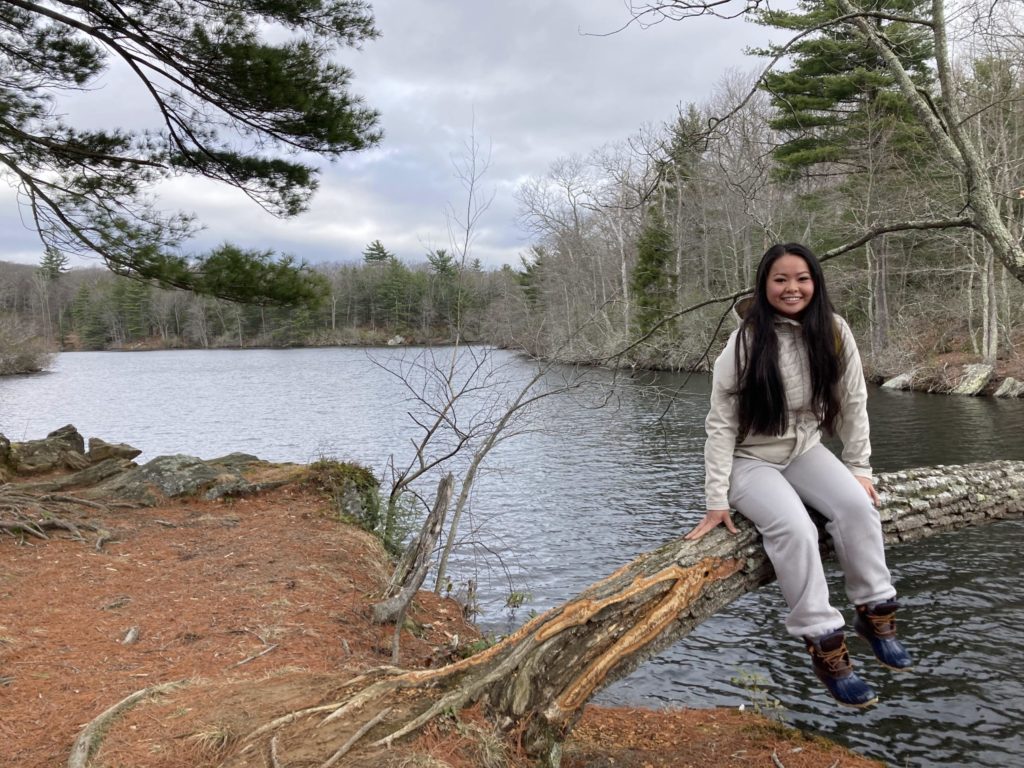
{"points": [[832, 665], [877, 625]]}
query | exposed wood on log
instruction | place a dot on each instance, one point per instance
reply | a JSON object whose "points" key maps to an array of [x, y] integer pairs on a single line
{"points": [[415, 563], [534, 683]]}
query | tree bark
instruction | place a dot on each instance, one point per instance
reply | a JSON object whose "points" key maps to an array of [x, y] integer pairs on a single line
{"points": [[534, 683], [949, 132], [412, 569]]}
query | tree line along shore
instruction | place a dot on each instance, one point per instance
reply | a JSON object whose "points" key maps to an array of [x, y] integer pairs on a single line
{"points": [[373, 304]]}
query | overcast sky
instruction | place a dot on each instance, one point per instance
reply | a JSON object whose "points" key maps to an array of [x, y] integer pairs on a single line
{"points": [[537, 86]]}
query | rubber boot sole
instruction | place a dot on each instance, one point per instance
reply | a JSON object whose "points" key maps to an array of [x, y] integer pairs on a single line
{"points": [[865, 705]]}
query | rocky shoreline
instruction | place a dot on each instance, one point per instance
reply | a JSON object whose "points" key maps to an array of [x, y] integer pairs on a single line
{"points": [[970, 380]]}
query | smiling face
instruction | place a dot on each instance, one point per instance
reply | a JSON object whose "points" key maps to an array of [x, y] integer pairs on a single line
{"points": [[789, 287]]}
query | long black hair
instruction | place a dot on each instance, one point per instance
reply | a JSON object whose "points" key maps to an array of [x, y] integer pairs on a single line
{"points": [[761, 396]]}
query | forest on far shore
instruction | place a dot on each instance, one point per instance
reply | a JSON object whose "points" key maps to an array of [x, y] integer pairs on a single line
{"points": [[637, 245]]}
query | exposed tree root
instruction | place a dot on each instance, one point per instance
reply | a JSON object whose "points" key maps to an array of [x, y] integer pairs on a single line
{"points": [[613, 620], [25, 513], [343, 750], [91, 736]]}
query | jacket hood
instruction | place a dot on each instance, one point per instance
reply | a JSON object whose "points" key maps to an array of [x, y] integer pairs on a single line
{"points": [[744, 305], [741, 307]]}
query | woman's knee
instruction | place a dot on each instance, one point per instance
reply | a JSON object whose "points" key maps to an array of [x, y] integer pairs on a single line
{"points": [[792, 530], [855, 513]]}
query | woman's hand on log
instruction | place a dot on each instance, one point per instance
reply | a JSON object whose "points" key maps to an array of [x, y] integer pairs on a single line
{"points": [[713, 519], [869, 488]]}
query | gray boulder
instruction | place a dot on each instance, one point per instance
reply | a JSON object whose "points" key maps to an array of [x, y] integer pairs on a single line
{"points": [[1010, 388], [902, 382], [99, 450], [238, 462], [170, 476], [70, 436], [63, 448], [181, 475], [975, 378]]}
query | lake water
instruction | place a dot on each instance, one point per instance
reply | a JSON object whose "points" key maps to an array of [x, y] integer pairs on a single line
{"points": [[590, 479]]}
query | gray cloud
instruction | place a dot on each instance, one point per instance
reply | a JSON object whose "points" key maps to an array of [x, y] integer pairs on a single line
{"points": [[526, 73]]}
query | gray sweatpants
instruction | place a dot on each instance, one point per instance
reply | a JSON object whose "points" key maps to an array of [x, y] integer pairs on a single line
{"points": [[772, 497]]}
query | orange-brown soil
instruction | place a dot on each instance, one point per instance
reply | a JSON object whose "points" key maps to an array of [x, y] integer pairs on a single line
{"points": [[231, 594]]}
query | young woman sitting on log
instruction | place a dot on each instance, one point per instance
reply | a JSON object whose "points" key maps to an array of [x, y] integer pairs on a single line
{"points": [[788, 373]]}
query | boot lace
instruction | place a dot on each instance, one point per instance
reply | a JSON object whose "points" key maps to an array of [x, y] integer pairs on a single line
{"points": [[836, 661], [884, 624]]}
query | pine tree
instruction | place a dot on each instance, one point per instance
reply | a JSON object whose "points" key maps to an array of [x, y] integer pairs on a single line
{"points": [[442, 263], [843, 115], [837, 85], [246, 93], [530, 277], [131, 303], [53, 264], [653, 283], [397, 296], [87, 320], [376, 253], [445, 289]]}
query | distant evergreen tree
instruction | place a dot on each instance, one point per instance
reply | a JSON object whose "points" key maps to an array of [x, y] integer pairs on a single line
{"points": [[130, 303], [398, 296], [679, 190], [442, 263], [687, 140], [444, 289], [51, 267], [653, 284], [292, 326], [87, 319], [530, 277], [376, 253], [53, 264]]}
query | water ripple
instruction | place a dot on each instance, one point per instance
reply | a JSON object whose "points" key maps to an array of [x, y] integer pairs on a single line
{"points": [[583, 490]]}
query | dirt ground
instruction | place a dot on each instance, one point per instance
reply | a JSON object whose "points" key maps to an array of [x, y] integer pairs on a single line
{"points": [[224, 594]]}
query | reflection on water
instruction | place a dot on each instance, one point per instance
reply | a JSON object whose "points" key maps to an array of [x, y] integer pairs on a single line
{"points": [[583, 489]]}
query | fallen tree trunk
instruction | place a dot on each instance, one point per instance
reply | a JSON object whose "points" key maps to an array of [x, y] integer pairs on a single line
{"points": [[535, 682]]}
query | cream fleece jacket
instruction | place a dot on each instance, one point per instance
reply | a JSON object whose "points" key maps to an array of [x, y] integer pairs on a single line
{"points": [[803, 431]]}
